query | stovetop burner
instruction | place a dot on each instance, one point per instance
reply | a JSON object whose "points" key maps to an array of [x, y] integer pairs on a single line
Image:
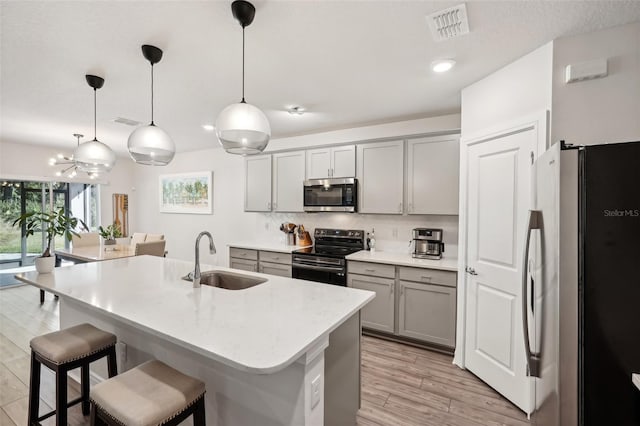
{"points": [[336, 243]]}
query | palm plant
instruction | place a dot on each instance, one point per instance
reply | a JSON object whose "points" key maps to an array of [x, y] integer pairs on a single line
{"points": [[57, 223]]}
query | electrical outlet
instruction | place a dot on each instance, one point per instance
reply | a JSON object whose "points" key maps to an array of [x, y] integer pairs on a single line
{"points": [[316, 390], [121, 351]]}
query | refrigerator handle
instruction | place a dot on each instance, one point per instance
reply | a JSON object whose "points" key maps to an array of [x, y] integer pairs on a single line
{"points": [[533, 360]]}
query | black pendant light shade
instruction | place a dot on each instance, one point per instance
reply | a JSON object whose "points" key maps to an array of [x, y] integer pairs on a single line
{"points": [[150, 145], [241, 127]]}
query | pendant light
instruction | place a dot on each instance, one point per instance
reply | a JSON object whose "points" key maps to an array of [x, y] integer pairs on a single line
{"points": [[241, 127], [150, 145], [63, 160], [94, 156]]}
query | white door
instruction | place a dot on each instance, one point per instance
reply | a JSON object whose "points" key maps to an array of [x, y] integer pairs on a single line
{"points": [[433, 171], [343, 161], [380, 173], [498, 197], [288, 178], [318, 163], [257, 189]]}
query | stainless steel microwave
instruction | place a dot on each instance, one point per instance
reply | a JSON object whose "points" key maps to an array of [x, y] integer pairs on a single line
{"points": [[331, 195]]}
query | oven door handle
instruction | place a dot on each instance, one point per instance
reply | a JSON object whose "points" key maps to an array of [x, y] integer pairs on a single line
{"points": [[318, 268]]}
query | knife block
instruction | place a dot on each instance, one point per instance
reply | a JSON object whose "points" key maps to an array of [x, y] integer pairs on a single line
{"points": [[304, 239]]}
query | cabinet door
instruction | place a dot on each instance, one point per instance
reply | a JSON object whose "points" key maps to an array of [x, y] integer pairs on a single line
{"points": [[257, 190], [433, 175], [275, 269], [288, 179], [427, 312], [244, 265], [380, 173], [343, 161], [379, 313], [318, 163]]}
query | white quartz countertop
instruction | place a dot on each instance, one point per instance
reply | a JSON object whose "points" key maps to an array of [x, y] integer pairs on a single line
{"points": [[261, 329], [635, 378], [266, 246], [403, 259]]}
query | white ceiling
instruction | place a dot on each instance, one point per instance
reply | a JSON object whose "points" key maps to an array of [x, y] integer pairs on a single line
{"points": [[347, 62]]}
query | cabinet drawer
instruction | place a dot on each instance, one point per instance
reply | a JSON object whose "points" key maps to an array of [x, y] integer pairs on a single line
{"points": [[275, 257], [428, 276], [275, 269], [244, 265], [375, 269], [243, 253]]}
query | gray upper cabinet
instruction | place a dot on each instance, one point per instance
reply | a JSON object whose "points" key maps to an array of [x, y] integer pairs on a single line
{"points": [[288, 177], [380, 172], [257, 193], [331, 162], [433, 175]]}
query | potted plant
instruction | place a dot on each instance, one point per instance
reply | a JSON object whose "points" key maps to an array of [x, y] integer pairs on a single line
{"points": [[57, 223], [110, 233]]}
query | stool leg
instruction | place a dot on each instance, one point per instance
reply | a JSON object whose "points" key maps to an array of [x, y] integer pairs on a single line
{"points": [[61, 397], [92, 419], [34, 390], [84, 381], [199, 414], [112, 366], [41, 297]]}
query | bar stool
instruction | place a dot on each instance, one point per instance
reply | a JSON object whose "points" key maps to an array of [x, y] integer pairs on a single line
{"points": [[150, 394], [62, 351]]}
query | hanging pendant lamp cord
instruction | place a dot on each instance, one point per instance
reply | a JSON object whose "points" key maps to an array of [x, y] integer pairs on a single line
{"points": [[243, 66], [95, 115], [152, 95]]}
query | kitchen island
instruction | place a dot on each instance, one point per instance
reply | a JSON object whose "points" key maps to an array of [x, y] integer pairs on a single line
{"points": [[285, 352]]}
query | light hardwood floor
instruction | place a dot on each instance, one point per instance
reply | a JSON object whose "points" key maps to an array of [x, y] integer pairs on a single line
{"points": [[402, 385]]}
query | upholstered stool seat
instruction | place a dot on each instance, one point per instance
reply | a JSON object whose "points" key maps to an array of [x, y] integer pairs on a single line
{"points": [[62, 351], [151, 394], [72, 343]]}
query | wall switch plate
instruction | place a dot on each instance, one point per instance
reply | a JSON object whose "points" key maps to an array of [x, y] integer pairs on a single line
{"points": [[316, 389]]}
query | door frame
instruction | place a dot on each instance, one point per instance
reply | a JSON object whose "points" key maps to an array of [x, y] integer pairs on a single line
{"points": [[539, 120]]}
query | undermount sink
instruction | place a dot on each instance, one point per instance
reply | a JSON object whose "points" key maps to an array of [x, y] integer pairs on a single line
{"points": [[226, 280]]}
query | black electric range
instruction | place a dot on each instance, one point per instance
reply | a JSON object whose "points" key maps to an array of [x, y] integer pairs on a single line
{"points": [[325, 261]]}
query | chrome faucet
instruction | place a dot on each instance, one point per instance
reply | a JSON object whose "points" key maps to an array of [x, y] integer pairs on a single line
{"points": [[212, 250]]}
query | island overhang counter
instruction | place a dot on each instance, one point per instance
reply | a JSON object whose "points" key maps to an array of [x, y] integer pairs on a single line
{"points": [[285, 352]]}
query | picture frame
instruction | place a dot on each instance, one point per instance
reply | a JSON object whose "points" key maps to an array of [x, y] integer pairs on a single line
{"points": [[188, 193]]}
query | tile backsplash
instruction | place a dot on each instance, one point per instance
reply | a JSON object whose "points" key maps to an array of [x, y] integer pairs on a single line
{"points": [[393, 232]]}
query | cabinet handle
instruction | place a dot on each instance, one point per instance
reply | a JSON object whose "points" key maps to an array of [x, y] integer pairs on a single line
{"points": [[410, 208], [393, 288], [369, 270], [331, 172], [328, 172], [275, 206], [426, 278], [400, 208], [269, 205], [401, 290]]}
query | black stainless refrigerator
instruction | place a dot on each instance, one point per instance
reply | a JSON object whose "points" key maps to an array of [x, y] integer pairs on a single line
{"points": [[582, 281]]}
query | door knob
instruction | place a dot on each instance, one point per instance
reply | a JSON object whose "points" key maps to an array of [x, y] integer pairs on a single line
{"points": [[470, 271]]}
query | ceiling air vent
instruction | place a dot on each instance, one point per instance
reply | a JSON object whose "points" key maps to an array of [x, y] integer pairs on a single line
{"points": [[449, 23], [126, 121]]}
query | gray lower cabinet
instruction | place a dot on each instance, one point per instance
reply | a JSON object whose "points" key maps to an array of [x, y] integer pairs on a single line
{"points": [[266, 262], [427, 312], [380, 312], [243, 264], [275, 269]]}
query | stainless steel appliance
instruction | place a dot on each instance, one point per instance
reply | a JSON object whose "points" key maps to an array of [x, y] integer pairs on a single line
{"points": [[325, 261], [582, 324], [427, 243], [331, 195]]}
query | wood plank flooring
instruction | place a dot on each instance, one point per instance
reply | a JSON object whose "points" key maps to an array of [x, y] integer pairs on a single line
{"points": [[401, 385]]}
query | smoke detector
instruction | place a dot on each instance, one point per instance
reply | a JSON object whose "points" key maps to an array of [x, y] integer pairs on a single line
{"points": [[449, 23]]}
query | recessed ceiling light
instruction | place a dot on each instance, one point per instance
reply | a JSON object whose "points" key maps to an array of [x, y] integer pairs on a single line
{"points": [[208, 127], [296, 110], [442, 65]]}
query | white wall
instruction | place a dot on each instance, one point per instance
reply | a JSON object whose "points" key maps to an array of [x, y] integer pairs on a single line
{"points": [[520, 89], [31, 162], [229, 223], [602, 110]]}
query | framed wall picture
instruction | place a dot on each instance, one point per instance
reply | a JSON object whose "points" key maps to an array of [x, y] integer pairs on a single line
{"points": [[121, 213], [187, 193]]}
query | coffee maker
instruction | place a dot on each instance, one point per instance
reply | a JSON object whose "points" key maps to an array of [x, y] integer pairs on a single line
{"points": [[427, 243]]}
